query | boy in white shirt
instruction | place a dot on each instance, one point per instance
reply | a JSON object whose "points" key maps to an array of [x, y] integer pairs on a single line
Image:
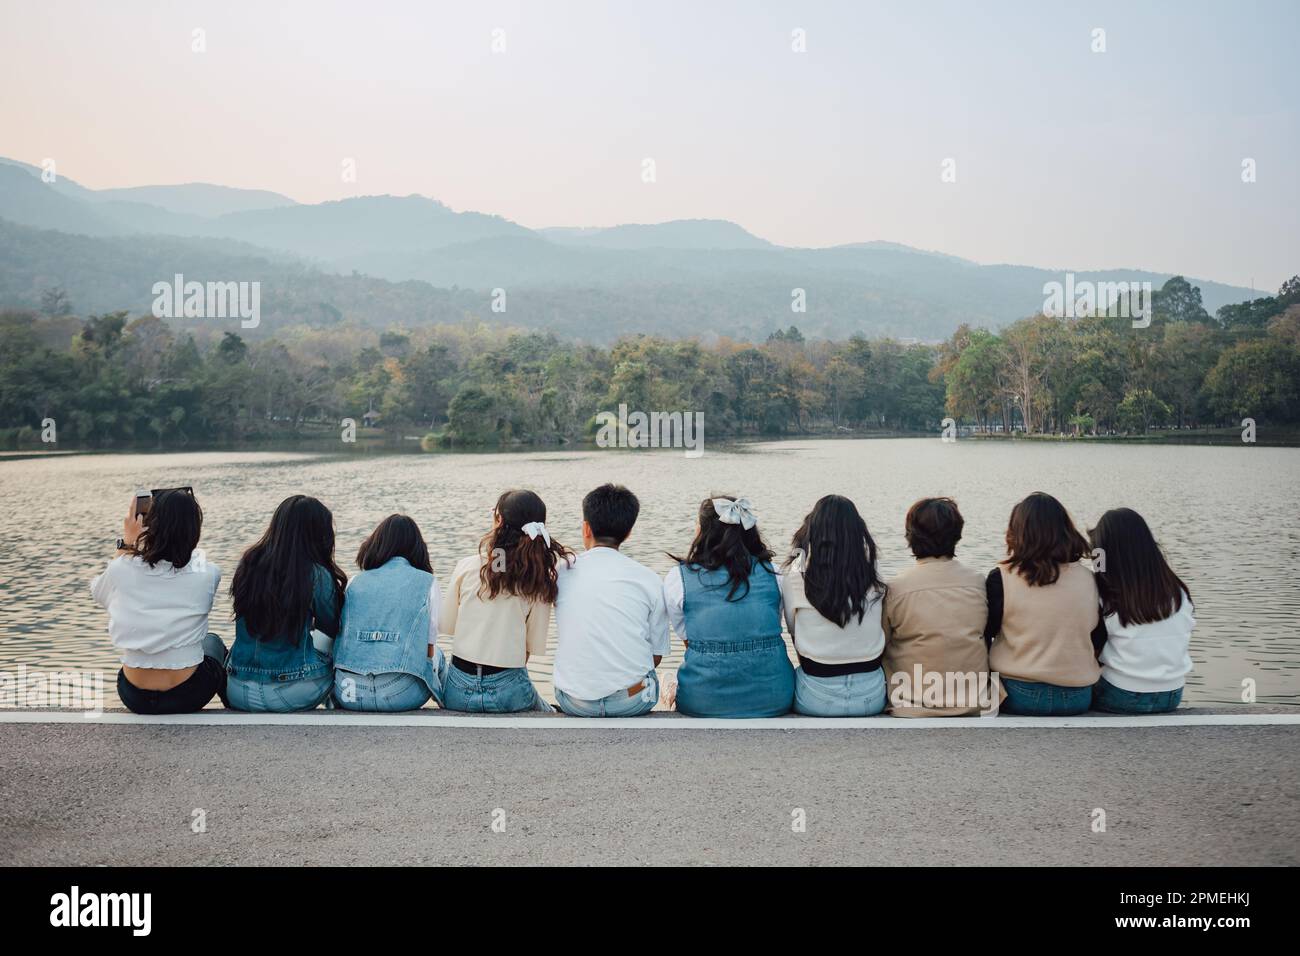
{"points": [[610, 618]]}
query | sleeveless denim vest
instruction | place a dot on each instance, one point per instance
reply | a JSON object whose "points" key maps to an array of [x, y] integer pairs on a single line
{"points": [[736, 663], [385, 624], [711, 617], [287, 657]]}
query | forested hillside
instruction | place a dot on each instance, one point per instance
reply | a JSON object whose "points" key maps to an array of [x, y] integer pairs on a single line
{"points": [[118, 379]]}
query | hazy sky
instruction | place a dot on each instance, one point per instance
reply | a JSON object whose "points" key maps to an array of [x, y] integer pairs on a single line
{"points": [[1064, 158]]}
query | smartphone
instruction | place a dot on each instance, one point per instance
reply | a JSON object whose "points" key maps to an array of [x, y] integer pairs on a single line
{"points": [[142, 501]]}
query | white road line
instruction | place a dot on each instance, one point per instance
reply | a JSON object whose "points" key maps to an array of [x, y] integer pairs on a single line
{"points": [[218, 718]]}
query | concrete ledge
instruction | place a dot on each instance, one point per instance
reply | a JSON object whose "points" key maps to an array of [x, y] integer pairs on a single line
{"points": [[1191, 717]]}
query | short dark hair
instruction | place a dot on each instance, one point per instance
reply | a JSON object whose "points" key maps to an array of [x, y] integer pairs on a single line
{"points": [[611, 512], [397, 536], [934, 528]]}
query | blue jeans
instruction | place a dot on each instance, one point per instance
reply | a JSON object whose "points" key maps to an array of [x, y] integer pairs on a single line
{"points": [[750, 678], [386, 693], [849, 695], [279, 697], [505, 692], [283, 697], [1106, 696], [1033, 699], [617, 704]]}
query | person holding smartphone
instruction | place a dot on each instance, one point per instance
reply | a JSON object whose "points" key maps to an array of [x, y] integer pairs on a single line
{"points": [[158, 590]]}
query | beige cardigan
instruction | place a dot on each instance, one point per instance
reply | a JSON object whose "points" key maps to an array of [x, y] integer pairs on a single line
{"points": [[935, 613], [497, 632]]}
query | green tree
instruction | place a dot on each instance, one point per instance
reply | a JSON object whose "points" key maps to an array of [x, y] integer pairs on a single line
{"points": [[1256, 379], [1141, 409], [472, 416]]}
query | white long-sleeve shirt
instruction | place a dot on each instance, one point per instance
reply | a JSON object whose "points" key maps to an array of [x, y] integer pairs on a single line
{"points": [[1147, 658], [824, 641], [157, 617]]}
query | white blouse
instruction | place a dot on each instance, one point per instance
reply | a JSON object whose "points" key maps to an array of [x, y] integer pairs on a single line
{"points": [[1148, 658], [157, 617], [824, 641]]}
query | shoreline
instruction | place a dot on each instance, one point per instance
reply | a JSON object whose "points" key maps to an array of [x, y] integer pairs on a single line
{"points": [[1284, 437]]}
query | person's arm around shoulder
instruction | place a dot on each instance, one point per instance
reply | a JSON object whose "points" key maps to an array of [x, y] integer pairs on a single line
{"points": [[787, 582], [675, 601], [1098, 636], [1099, 632], [779, 577], [435, 607], [993, 592], [660, 637], [537, 619], [888, 604], [327, 603]]}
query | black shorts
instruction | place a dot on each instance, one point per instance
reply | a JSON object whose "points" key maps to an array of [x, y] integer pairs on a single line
{"points": [[207, 681]]}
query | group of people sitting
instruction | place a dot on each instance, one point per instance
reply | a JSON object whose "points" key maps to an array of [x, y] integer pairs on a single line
{"points": [[1061, 625]]}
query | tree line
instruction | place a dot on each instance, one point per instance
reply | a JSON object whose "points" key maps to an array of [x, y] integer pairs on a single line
{"points": [[111, 380]]}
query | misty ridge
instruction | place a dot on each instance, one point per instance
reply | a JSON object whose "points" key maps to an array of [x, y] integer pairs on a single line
{"points": [[382, 261]]}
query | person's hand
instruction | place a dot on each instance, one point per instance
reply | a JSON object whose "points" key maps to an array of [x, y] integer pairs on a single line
{"points": [[668, 690], [132, 525]]}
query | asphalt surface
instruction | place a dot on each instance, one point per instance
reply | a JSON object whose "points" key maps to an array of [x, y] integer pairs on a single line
{"points": [[128, 795]]}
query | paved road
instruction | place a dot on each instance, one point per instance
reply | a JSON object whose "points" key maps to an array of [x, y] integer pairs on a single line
{"points": [[122, 794]]}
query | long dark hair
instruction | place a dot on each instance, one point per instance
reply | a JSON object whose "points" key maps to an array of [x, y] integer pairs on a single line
{"points": [[171, 529], [397, 536], [1040, 538], [514, 563], [1136, 582], [837, 556], [272, 587], [721, 545]]}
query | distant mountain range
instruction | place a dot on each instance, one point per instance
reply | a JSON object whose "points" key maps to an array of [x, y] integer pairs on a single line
{"points": [[388, 260]]}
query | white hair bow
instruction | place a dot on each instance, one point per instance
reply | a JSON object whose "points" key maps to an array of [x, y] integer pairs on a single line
{"points": [[739, 512], [534, 528]]}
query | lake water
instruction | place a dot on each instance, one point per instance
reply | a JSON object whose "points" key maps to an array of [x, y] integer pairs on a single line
{"points": [[1227, 517]]}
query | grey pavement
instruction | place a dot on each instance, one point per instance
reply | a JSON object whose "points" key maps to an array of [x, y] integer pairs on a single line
{"points": [[318, 794]]}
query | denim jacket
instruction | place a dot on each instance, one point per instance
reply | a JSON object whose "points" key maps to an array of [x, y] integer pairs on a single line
{"points": [[385, 623], [287, 657]]}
